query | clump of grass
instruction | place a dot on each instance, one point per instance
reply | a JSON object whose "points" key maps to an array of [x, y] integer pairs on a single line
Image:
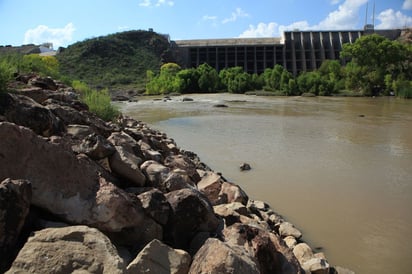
{"points": [[98, 101], [403, 89]]}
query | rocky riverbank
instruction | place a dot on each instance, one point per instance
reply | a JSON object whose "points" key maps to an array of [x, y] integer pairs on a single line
{"points": [[81, 194]]}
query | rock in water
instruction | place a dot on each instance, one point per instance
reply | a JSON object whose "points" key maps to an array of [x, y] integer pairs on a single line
{"points": [[245, 167]]}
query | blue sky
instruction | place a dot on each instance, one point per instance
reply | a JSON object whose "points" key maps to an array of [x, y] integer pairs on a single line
{"points": [[66, 22]]}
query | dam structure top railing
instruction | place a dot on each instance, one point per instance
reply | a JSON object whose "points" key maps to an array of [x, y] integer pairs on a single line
{"points": [[296, 51]]}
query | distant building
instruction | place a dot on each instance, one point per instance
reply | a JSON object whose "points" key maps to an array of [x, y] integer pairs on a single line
{"points": [[298, 50]]}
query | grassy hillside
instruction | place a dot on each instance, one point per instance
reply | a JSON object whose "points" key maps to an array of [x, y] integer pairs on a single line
{"points": [[117, 61]]}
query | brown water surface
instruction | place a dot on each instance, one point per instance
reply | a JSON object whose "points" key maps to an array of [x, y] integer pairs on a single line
{"points": [[338, 168]]}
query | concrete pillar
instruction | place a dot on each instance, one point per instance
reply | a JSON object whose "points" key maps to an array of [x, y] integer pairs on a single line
{"points": [[312, 52], [303, 52], [331, 45], [322, 47], [294, 70], [197, 57]]}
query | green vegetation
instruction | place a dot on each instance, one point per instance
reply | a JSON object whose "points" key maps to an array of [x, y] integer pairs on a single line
{"points": [[377, 64], [5, 75], [374, 66], [98, 101], [118, 60]]}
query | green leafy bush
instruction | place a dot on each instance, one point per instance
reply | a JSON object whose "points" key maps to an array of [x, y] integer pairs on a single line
{"points": [[99, 102], [5, 75]]}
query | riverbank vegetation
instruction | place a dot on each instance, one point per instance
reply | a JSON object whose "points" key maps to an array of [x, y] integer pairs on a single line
{"points": [[98, 101], [373, 66]]}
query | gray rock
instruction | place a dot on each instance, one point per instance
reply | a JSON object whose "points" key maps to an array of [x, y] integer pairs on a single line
{"points": [[155, 205], [24, 111], [211, 185], [316, 265], [73, 188], [126, 165], [15, 197], [303, 252], [71, 249], [191, 213], [78, 131], [96, 147], [233, 193], [288, 229], [218, 257], [267, 249], [159, 258], [155, 173]]}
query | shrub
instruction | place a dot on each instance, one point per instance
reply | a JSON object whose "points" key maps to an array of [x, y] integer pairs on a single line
{"points": [[403, 89], [99, 102], [5, 75]]}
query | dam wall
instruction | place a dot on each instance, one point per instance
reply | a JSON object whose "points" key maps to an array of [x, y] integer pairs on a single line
{"points": [[297, 51]]}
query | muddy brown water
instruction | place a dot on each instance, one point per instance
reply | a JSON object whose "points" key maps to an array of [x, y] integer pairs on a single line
{"points": [[340, 169]]}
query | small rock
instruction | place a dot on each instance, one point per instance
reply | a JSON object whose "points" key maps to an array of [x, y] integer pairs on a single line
{"points": [[245, 167], [288, 229]]}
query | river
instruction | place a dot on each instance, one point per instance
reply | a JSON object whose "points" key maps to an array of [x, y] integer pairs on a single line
{"points": [[340, 169]]}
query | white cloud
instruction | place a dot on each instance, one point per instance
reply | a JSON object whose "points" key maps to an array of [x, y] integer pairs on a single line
{"points": [[299, 25], [57, 36], [407, 5], [238, 13], [345, 17], [261, 30], [390, 19], [150, 3], [209, 17], [145, 3], [164, 2]]}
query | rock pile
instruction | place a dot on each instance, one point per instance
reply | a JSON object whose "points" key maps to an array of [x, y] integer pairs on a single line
{"points": [[81, 194]]}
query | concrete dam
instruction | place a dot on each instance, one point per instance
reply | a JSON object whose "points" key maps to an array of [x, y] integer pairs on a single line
{"points": [[297, 51]]}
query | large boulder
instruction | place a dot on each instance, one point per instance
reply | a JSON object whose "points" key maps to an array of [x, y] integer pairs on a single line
{"points": [[26, 112], [211, 185], [70, 115], [191, 213], [95, 146], [15, 197], [126, 165], [184, 163], [155, 172], [73, 249], [155, 205], [218, 257], [288, 229], [267, 249], [159, 258], [74, 188]]}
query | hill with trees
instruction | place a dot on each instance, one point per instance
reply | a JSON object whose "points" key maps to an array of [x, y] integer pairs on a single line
{"points": [[118, 60]]}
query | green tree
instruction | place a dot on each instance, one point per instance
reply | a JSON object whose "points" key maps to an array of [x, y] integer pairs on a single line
{"points": [[208, 78], [189, 80], [378, 56], [235, 80], [166, 82]]}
